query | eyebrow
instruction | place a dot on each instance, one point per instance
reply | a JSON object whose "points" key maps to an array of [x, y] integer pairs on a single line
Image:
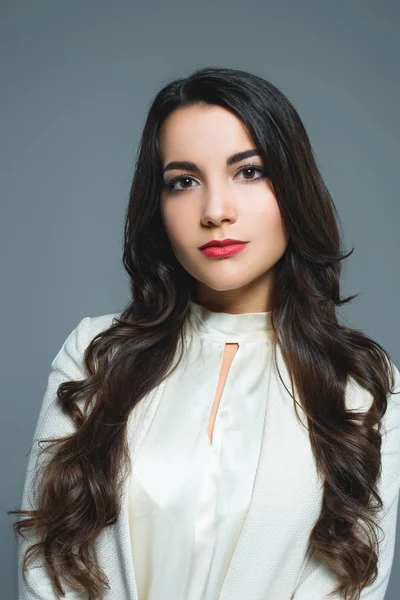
{"points": [[191, 166]]}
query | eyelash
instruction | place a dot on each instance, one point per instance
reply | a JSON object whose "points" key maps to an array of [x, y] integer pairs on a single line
{"points": [[169, 186]]}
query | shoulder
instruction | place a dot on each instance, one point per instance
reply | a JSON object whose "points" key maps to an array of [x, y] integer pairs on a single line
{"points": [[359, 399], [92, 326], [89, 327], [70, 355], [68, 365]]}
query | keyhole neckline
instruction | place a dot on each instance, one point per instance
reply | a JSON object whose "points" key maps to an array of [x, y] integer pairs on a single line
{"points": [[228, 327]]}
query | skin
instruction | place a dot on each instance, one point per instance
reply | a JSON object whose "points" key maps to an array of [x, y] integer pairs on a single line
{"points": [[218, 202]]}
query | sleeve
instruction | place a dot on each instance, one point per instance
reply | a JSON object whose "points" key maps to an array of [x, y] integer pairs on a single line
{"points": [[52, 422], [317, 581]]}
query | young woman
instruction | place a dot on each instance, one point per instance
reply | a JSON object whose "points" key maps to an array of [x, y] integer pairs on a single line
{"points": [[224, 437]]}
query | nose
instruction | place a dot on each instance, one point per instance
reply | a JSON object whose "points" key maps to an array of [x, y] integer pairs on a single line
{"points": [[218, 207]]}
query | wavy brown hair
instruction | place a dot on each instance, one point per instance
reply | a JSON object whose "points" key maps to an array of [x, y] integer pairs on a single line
{"points": [[78, 491]]}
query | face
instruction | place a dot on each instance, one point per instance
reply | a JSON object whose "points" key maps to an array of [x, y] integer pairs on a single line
{"points": [[216, 200]]}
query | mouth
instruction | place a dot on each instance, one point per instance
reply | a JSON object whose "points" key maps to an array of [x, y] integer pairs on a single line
{"points": [[219, 243], [223, 251]]}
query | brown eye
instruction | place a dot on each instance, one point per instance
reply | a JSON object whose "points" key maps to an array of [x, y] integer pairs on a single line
{"points": [[185, 181], [252, 169], [170, 186]]}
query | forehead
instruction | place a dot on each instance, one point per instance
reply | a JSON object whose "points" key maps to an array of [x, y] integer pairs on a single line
{"points": [[196, 132]]}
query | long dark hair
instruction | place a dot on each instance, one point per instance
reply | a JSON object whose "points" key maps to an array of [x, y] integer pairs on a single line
{"points": [[126, 361]]}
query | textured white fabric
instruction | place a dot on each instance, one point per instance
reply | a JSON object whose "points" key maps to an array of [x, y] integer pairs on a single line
{"points": [[270, 557]]}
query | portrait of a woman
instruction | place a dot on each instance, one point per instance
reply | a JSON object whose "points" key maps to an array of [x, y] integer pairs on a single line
{"points": [[225, 436]]}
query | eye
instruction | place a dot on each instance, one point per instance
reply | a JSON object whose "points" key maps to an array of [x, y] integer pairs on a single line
{"points": [[254, 168], [170, 186]]}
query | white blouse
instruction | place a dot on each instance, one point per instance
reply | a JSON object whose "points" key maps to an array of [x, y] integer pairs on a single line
{"points": [[189, 496]]}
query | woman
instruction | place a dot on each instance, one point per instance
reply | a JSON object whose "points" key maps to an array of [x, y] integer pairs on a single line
{"points": [[224, 436]]}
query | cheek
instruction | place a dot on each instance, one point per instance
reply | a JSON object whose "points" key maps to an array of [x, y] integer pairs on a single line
{"points": [[267, 219], [176, 223]]}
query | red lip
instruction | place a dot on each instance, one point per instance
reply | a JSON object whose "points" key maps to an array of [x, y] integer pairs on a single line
{"points": [[219, 243], [223, 251]]}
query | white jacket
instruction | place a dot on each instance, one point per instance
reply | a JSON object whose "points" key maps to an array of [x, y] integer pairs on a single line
{"points": [[260, 536]]}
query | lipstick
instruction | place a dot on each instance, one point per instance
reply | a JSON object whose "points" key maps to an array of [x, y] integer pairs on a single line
{"points": [[223, 251]]}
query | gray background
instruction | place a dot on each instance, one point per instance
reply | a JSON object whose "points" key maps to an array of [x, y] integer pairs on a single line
{"points": [[77, 78]]}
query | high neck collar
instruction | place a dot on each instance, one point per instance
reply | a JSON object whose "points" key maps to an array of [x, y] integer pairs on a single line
{"points": [[228, 327]]}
